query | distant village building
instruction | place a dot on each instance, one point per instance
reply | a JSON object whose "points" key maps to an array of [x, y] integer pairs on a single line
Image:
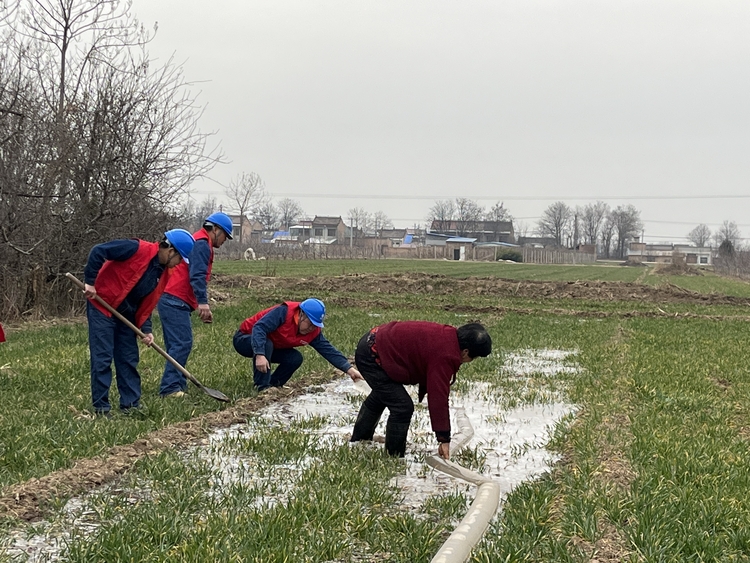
{"points": [[460, 248], [328, 230], [537, 242], [247, 227], [302, 230], [482, 231], [664, 253]]}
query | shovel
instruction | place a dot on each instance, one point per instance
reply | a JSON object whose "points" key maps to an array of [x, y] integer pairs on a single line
{"points": [[218, 395]]}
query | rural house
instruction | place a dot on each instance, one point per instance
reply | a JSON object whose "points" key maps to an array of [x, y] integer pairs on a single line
{"points": [[328, 230], [482, 231], [248, 228], [664, 253]]}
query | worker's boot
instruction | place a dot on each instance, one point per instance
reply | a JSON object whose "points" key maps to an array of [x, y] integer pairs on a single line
{"points": [[395, 438], [367, 420]]}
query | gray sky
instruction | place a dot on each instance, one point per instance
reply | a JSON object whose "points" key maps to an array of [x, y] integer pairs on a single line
{"points": [[390, 105]]}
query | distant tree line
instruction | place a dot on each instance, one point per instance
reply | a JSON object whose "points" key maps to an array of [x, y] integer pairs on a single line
{"points": [[595, 223], [611, 230], [464, 214], [248, 197]]}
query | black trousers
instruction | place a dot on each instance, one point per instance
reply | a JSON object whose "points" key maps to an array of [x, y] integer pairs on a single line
{"points": [[385, 391]]}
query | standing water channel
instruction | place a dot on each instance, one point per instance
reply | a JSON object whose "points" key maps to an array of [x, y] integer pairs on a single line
{"points": [[512, 423]]}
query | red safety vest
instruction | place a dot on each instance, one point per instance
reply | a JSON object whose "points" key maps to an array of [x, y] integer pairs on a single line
{"points": [[179, 281], [118, 277], [286, 336], [2, 334]]}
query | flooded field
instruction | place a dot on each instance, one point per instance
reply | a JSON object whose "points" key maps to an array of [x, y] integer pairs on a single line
{"points": [[508, 446]]}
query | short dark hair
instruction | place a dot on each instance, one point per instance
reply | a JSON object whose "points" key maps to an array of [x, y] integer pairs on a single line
{"points": [[474, 338]]}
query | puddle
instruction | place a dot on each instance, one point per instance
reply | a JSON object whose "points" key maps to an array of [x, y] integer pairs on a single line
{"points": [[525, 363], [507, 445]]}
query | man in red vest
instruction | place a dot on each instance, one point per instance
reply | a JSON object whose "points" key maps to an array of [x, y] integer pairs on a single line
{"points": [[272, 335], [130, 275], [413, 353], [186, 292], [2, 334]]}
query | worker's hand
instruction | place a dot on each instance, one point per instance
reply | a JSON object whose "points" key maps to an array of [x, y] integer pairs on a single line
{"points": [[148, 339], [354, 374], [261, 364], [89, 291], [204, 312], [444, 450]]}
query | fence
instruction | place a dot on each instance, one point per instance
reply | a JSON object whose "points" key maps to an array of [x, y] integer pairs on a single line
{"points": [[556, 256], [297, 251]]}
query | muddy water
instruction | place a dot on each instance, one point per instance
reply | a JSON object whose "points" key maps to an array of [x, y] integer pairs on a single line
{"points": [[508, 446]]}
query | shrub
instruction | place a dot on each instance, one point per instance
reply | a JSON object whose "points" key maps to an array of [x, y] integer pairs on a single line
{"points": [[513, 255]]}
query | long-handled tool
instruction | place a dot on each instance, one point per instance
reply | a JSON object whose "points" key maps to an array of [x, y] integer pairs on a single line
{"points": [[218, 395]]}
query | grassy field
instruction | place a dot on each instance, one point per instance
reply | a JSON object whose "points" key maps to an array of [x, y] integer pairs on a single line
{"points": [[653, 468]]}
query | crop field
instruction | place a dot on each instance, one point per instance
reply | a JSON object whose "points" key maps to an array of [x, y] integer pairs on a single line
{"points": [[614, 411]]}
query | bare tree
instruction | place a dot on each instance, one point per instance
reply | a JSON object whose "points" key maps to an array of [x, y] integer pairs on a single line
{"points": [[441, 215], [360, 219], [627, 224], [575, 227], [522, 229], [381, 221], [555, 222], [700, 235], [728, 232], [498, 213], [246, 191], [592, 220], [8, 10], [191, 215], [84, 33], [289, 212], [607, 236], [267, 214], [96, 143], [468, 214]]}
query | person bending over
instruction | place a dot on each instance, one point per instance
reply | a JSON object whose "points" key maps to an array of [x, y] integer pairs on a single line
{"points": [[422, 353]]}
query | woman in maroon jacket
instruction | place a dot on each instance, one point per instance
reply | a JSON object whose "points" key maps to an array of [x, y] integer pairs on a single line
{"points": [[413, 353]]}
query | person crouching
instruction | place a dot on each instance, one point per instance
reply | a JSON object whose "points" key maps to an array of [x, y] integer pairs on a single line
{"points": [[272, 335]]}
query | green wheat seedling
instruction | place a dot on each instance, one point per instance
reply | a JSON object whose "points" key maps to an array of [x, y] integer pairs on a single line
{"points": [[653, 463], [472, 458]]}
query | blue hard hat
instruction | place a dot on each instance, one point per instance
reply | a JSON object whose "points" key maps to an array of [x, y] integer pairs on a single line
{"points": [[315, 311], [182, 241], [221, 220]]}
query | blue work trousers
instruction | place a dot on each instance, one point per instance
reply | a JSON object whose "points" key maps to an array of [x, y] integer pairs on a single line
{"points": [[111, 339], [174, 314], [288, 359]]}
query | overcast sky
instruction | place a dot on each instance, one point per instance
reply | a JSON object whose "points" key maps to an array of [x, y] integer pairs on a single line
{"points": [[390, 105]]}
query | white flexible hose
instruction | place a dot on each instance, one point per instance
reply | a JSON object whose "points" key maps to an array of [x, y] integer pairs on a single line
{"points": [[470, 530]]}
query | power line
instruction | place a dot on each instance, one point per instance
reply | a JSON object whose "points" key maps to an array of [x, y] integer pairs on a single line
{"points": [[512, 198], [630, 197]]}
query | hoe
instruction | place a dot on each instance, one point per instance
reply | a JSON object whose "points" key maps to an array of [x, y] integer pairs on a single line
{"points": [[218, 395]]}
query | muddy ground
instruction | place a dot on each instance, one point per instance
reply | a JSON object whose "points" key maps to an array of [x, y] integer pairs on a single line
{"points": [[422, 284], [27, 500]]}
